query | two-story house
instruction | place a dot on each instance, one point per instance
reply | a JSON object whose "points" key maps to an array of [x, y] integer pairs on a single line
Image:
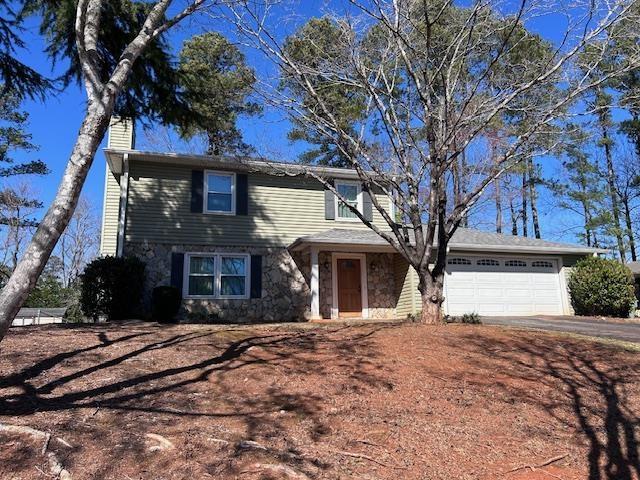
{"points": [[251, 241]]}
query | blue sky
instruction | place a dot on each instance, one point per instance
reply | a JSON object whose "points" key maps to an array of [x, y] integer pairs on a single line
{"points": [[55, 122]]}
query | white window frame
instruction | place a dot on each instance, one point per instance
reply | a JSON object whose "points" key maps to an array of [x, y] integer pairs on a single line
{"points": [[205, 197], [338, 201], [217, 275]]}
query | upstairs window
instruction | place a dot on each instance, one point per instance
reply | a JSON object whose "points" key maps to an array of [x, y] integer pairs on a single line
{"points": [[352, 193], [220, 192]]}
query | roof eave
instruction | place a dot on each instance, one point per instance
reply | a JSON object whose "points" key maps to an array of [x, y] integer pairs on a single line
{"points": [[235, 163]]}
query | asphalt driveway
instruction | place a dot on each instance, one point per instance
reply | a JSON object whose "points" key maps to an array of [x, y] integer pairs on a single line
{"points": [[629, 332]]}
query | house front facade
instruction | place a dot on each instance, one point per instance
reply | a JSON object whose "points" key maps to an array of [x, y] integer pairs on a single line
{"points": [[251, 241]]}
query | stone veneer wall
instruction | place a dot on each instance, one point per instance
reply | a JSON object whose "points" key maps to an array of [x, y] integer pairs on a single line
{"points": [[285, 285], [285, 288], [381, 291]]}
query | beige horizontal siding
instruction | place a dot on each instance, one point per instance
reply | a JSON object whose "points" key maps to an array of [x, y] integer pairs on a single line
{"points": [[281, 209], [121, 134], [109, 231], [407, 282]]}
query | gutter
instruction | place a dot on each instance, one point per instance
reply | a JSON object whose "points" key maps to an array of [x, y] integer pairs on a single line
{"points": [[233, 163]]}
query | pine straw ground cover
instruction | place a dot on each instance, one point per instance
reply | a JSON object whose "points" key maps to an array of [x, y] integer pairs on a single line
{"points": [[369, 402]]}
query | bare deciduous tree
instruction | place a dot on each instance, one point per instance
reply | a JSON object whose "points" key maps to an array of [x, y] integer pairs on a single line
{"points": [[101, 96], [79, 242], [434, 77]]}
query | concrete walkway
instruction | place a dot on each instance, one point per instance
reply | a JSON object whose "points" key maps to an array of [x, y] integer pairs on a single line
{"points": [[628, 332]]}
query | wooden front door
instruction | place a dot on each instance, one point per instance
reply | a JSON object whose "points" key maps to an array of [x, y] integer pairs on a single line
{"points": [[349, 287]]}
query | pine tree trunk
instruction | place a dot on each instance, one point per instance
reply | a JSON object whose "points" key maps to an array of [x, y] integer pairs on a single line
{"points": [[514, 219], [431, 294], [523, 211], [533, 197], [629, 225], [496, 183], [57, 217], [613, 195]]}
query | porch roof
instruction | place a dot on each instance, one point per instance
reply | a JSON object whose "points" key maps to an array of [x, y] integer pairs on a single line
{"points": [[464, 239]]}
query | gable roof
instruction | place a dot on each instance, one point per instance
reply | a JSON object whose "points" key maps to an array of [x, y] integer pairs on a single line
{"points": [[463, 239]]}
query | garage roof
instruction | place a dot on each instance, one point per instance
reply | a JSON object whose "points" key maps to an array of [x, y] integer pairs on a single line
{"points": [[463, 239]]}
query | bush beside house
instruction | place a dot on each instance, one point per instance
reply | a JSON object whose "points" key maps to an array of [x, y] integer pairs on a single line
{"points": [[165, 303], [112, 286], [602, 287]]}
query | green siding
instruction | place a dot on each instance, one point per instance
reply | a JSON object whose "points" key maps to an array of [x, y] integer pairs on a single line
{"points": [[281, 209], [406, 281], [109, 231]]}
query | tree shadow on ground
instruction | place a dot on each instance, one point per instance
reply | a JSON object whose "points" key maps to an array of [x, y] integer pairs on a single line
{"points": [[575, 383], [193, 374]]}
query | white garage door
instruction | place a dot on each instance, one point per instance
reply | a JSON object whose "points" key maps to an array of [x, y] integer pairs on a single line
{"points": [[502, 286]]}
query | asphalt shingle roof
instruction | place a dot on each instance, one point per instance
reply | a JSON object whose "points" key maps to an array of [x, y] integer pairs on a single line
{"points": [[464, 238]]}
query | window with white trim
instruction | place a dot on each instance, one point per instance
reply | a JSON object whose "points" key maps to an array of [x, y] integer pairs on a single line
{"points": [[202, 276], [233, 276], [488, 262], [219, 192], [352, 193], [458, 261], [542, 264], [515, 263], [224, 275]]}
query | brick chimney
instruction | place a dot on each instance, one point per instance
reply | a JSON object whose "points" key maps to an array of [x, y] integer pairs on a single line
{"points": [[122, 134]]}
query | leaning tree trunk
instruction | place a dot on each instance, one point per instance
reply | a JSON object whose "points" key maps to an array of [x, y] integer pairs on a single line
{"points": [[431, 293], [57, 217], [498, 199]]}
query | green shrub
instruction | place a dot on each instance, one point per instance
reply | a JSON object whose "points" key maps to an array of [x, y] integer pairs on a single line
{"points": [[112, 286], [165, 303], [472, 318], [599, 286]]}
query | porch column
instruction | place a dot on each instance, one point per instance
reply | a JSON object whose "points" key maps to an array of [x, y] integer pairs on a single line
{"points": [[315, 285]]}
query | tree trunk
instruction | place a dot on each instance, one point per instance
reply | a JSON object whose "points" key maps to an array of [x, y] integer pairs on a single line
{"points": [[629, 225], [431, 294], [523, 211], [39, 250], [514, 219], [613, 195], [533, 197], [496, 183], [463, 185]]}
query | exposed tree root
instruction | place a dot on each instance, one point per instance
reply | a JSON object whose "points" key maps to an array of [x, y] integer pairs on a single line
{"points": [[278, 470], [549, 461], [55, 466]]}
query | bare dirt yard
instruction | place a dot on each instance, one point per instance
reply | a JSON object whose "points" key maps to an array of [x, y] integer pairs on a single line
{"points": [[369, 402]]}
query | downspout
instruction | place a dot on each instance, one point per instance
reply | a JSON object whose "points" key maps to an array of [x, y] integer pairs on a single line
{"points": [[122, 214]]}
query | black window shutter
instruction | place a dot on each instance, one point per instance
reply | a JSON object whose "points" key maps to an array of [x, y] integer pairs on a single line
{"points": [[256, 276], [177, 266], [197, 186], [367, 206], [329, 204], [242, 194]]}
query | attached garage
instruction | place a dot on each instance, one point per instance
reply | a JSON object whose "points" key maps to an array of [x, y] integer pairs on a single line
{"points": [[503, 285]]}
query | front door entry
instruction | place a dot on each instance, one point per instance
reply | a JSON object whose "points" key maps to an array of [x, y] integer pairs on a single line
{"points": [[349, 287]]}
